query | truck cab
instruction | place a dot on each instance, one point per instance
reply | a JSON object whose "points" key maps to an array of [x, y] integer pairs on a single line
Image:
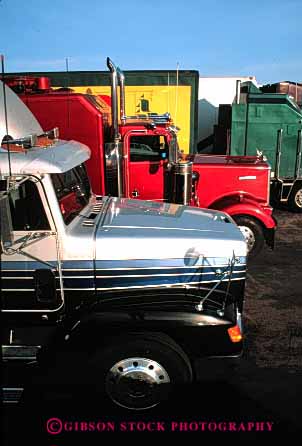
{"points": [[123, 293]]}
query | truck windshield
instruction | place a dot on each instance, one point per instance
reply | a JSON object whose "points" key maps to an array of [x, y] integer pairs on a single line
{"points": [[72, 190]]}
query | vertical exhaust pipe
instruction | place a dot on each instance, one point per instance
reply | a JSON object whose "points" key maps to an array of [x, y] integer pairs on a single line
{"points": [[278, 153], [237, 99], [117, 152], [117, 79], [121, 80], [114, 107]]}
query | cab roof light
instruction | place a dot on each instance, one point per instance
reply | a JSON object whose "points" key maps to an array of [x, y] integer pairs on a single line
{"points": [[235, 334], [52, 134], [26, 142]]}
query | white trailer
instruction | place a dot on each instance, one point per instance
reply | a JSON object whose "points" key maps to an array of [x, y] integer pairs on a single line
{"points": [[213, 91]]}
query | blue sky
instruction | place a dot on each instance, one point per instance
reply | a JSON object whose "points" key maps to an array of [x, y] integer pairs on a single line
{"points": [[215, 37]]}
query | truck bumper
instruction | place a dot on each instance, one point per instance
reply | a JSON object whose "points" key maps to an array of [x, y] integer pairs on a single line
{"points": [[216, 368], [270, 234]]}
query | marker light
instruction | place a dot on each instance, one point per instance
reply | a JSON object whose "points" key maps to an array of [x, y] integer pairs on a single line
{"points": [[235, 334]]}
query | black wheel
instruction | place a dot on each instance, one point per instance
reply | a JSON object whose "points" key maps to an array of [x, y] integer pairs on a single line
{"points": [[139, 371], [253, 233], [295, 199]]}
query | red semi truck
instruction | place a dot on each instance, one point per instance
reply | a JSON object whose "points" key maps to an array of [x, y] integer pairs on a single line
{"points": [[139, 157]]}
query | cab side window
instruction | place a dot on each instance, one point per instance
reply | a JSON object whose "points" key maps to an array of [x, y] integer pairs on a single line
{"points": [[27, 209], [147, 148]]}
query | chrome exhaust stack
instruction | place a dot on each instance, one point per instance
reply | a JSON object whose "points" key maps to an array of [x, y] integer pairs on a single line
{"points": [[121, 81], [114, 151], [117, 79], [238, 86], [114, 107]]}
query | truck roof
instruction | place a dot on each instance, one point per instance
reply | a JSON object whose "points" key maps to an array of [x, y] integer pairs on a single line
{"points": [[58, 158]]}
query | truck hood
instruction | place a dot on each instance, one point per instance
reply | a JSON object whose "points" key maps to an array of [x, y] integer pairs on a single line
{"points": [[241, 162], [135, 229]]}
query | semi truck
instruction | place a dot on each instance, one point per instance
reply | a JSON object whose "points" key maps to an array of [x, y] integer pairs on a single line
{"points": [[139, 156], [117, 293], [269, 122]]}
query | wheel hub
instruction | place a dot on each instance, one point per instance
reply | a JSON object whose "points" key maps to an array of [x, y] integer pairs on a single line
{"points": [[134, 383], [249, 237], [298, 198]]}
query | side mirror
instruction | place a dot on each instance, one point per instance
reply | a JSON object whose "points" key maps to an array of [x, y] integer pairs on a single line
{"points": [[6, 226], [80, 193]]}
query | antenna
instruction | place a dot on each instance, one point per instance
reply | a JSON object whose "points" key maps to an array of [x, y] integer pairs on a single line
{"points": [[68, 93], [168, 92], [176, 93], [5, 114]]}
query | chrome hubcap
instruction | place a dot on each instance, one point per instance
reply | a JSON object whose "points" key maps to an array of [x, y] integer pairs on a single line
{"points": [[134, 383], [249, 237], [298, 198]]}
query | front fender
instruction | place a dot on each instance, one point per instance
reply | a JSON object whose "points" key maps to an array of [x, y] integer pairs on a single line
{"points": [[190, 330], [248, 207]]}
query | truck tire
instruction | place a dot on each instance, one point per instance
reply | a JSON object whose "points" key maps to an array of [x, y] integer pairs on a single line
{"points": [[253, 233], [295, 199], [137, 372]]}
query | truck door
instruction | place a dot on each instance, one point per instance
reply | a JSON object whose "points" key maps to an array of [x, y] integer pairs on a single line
{"points": [[31, 279], [147, 166]]}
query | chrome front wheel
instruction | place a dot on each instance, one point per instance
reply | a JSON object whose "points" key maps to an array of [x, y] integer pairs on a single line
{"points": [[252, 232], [135, 382], [249, 237], [139, 371]]}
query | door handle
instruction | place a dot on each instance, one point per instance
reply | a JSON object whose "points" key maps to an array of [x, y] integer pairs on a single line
{"points": [[135, 193]]}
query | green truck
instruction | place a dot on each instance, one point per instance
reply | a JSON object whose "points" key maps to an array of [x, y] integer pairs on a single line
{"points": [[270, 123]]}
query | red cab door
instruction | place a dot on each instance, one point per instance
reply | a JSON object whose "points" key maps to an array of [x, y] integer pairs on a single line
{"points": [[146, 166]]}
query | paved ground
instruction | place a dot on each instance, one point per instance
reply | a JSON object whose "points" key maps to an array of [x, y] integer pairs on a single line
{"points": [[274, 324], [266, 388]]}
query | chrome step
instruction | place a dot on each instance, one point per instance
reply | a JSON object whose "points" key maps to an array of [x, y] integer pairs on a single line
{"points": [[11, 395], [20, 352]]}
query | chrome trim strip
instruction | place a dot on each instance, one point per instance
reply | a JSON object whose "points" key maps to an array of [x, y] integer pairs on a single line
{"points": [[78, 269], [248, 177], [57, 289], [11, 395], [218, 265], [22, 352], [18, 270], [167, 285], [166, 267], [160, 228], [162, 275], [12, 388], [31, 278], [77, 289], [45, 310]]}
